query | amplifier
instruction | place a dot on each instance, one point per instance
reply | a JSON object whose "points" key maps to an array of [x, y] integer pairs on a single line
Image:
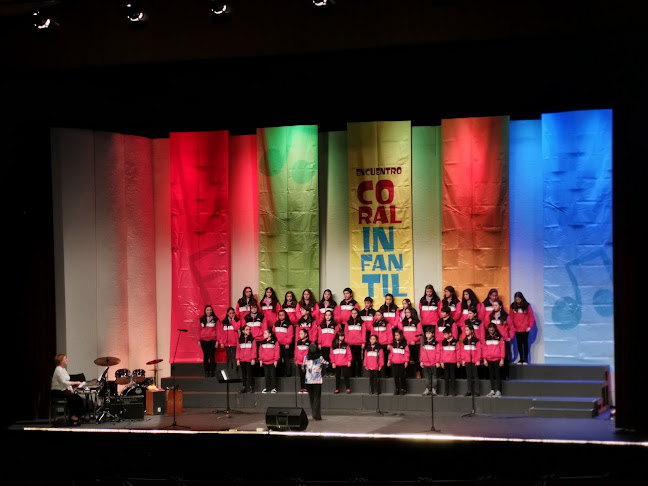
{"points": [[131, 408]]}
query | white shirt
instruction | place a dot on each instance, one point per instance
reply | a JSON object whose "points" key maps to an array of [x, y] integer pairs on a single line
{"points": [[60, 379]]}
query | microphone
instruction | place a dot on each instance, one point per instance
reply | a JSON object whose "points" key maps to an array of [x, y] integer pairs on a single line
{"points": [[183, 330]]}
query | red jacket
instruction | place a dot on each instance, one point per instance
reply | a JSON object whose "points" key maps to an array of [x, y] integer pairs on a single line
{"points": [[269, 352], [292, 313], [471, 350], [455, 308], [374, 358], [310, 326], [355, 332], [429, 353], [341, 355], [247, 349], [326, 332], [493, 349], [428, 311], [269, 312], [367, 315], [227, 332], [344, 310], [382, 329], [314, 311], [442, 324], [322, 310], [478, 328], [209, 329], [486, 309], [390, 314], [301, 350], [522, 320], [242, 310], [284, 332], [449, 352], [412, 331], [504, 325], [399, 352], [257, 326]]}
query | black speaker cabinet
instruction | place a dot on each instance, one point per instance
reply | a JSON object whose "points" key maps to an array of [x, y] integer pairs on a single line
{"points": [[130, 408], [286, 418]]}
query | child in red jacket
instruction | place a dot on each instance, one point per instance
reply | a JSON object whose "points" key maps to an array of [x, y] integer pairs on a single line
{"points": [[227, 336], [341, 361], [471, 357], [374, 360], [284, 330], [523, 321], [269, 358], [245, 358], [355, 331], [325, 336], [448, 358], [429, 355], [301, 350], [493, 353], [399, 356]]}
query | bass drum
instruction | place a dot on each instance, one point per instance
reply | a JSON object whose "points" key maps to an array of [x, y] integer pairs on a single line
{"points": [[135, 390]]}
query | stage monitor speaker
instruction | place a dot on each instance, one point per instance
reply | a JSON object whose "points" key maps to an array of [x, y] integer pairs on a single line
{"points": [[286, 418], [130, 408]]}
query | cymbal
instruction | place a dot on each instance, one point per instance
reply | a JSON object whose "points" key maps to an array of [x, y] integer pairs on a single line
{"points": [[156, 369], [154, 361], [107, 361]]}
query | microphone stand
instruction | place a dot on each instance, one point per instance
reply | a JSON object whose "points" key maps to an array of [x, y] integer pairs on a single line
{"points": [[472, 391], [432, 428], [175, 390]]}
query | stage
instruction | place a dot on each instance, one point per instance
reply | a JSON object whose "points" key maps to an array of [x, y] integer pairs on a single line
{"points": [[345, 447]]}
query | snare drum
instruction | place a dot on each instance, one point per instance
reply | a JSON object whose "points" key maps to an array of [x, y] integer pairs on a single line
{"points": [[139, 376], [123, 376], [134, 390]]}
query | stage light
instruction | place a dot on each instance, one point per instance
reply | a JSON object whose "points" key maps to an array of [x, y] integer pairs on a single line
{"points": [[41, 20], [134, 11], [322, 6], [219, 8]]}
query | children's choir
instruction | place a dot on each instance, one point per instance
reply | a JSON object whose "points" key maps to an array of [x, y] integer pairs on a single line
{"points": [[445, 337]]}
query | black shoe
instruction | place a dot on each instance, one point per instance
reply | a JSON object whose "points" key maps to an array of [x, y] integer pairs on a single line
{"points": [[446, 394], [243, 390], [396, 392], [403, 392], [468, 394], [371, 393]]}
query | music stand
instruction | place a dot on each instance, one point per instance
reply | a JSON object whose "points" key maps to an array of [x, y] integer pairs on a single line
{"points": [[228, 377]]}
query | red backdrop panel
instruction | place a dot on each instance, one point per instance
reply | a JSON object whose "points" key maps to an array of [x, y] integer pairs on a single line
{"points": [[200, 242]]}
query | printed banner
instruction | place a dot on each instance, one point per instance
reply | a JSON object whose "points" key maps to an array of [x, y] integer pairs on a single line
{"points": [[475, 155], [200, 241], [380, 209], [288, 209]]}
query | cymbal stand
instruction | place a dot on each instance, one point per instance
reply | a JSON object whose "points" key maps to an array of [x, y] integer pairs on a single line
{"points": [[103, 413]]}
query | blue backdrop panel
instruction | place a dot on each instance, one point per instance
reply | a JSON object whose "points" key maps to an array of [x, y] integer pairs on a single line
{"points": [[526, 228], [578, 293]]}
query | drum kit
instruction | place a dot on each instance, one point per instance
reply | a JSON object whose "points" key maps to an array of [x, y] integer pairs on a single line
{"points": [[135, 383]]}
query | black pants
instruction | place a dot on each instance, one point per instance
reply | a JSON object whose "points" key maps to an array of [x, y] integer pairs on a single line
{"points": [[285, 360], [230, 353], [473, 380], [246, 375], [302, 377], [209, 355], [429, 373], [342, 372], [523, 345], [356, 364], [326, 354], [315, 397], [507, 360], [75, 404], [374, 381], [270, 374], [494, 375], [398, 372], [415, 361], [450, 370]]}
